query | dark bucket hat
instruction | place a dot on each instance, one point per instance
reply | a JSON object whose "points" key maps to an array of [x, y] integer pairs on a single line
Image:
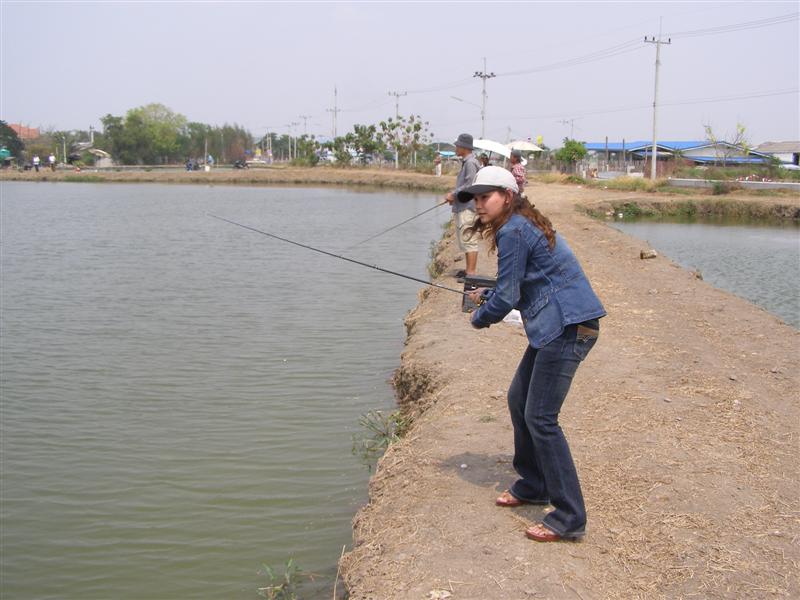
{"points": [[464, 141]]}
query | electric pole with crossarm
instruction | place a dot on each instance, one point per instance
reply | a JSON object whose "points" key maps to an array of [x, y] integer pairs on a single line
{"points": [[484, 76], [657, 42]]}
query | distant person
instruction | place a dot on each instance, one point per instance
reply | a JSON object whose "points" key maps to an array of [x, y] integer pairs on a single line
{"points": [[36, 162], [51, 160], [484, 160], [538, 275], [464, 212], [518, 171], [437, 162], [210, 161]]}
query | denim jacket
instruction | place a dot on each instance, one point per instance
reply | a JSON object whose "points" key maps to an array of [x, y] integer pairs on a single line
{"points": [[548, 287]]}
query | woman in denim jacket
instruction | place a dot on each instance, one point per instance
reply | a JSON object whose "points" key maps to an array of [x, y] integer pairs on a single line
{"points": [[538, 275]]}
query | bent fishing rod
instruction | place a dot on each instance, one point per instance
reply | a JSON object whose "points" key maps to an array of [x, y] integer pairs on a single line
{"points": [[396, 226], [358, 262]]}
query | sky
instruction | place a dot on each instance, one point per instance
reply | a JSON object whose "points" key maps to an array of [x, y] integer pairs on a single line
{"points": [[566, 68]]}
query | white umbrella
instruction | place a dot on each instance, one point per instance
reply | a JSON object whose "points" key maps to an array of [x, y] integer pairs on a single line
{"points": [[491, 146], [524, 146]]}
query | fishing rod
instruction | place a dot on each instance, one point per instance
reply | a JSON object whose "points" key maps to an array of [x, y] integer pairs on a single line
{"points": [[358, 262], [396, 226]]}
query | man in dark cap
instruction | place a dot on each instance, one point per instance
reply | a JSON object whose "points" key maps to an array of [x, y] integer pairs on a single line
{"points": [[464, 213]]}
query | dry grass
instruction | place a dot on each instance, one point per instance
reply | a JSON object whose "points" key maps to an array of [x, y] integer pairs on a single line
{"points": [[372, 178]]}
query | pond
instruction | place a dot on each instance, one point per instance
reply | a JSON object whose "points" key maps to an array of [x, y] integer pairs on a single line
{"points": [[179, 395], [759, 262]]}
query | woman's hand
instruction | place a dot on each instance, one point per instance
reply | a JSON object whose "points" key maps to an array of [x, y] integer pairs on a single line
{"points": [[477, 296]]}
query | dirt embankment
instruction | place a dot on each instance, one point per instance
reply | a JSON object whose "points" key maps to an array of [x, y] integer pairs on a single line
{"points": [[400, 180], [683, 423], [773, 206]]}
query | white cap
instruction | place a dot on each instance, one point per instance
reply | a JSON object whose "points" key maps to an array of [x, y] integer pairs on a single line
{"points": [[488, 179]]}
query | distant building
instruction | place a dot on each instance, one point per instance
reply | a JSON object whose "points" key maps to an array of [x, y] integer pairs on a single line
{"points": [[786, 152], [25, 133], [699, 152]]}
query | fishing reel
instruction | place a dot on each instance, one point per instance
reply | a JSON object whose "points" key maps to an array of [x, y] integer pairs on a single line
{"points": [[472, 283]]}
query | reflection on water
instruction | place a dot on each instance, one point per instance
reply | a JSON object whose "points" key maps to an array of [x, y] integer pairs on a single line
{"points": [[179, 394], [758, 262]]}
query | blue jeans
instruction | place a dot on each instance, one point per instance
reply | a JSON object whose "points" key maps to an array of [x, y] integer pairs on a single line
{"points": [[541, 453]]}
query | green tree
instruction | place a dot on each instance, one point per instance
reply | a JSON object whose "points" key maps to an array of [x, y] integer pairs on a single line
{"points": [[341, 150], [10, 140], [571, 152], [307, 151], [406, 136], [195, 136], [364, 139], [150, 134]]}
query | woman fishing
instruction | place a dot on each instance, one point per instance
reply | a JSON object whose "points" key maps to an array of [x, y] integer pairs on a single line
{"points": [[539, 275]]}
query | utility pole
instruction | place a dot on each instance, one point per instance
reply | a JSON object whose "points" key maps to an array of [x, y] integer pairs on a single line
{"points": [[289, 127], [571, 126], [484, 76], [334, 110], [397, 96], [295, 124], [657, 42], [305, 123]]}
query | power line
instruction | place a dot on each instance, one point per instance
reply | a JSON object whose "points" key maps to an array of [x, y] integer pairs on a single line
{"points": [[787, 18], [616, 50], [377, 103], [586, 113], [626, 47], [443, 87]]}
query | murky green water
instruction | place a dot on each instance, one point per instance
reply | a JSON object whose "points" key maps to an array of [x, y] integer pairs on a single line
{"points": [[760, 263], [179, 394]]}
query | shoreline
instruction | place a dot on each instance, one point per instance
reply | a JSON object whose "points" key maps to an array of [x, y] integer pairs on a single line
{"points": [[389, 179], [769, 206], [683, 423]]}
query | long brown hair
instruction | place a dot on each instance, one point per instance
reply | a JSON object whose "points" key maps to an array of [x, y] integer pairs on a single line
{"points": [[520, 206]]}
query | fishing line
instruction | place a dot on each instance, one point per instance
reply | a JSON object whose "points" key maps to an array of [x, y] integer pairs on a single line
{"points": [[396, 226], [352, 260]]}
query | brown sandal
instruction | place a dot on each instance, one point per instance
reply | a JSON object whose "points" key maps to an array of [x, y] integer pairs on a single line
{"points": [[509, 500], [541, 533]]}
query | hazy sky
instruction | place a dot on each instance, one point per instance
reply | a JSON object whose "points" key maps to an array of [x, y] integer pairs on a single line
{"points": [[262, 65]]}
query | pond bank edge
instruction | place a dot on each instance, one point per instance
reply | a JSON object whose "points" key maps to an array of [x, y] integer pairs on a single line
{"points": [[745, 209]]}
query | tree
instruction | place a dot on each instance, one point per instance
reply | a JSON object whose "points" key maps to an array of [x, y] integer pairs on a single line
{"points": [[307, 151], [149, 134], [730, 144], [365, 141], [571, 152], [341, 150], [10, 140], [407, 136], [195, 137]]}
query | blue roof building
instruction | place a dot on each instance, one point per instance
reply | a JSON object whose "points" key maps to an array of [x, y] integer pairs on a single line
{"points": [[700, 152]]}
